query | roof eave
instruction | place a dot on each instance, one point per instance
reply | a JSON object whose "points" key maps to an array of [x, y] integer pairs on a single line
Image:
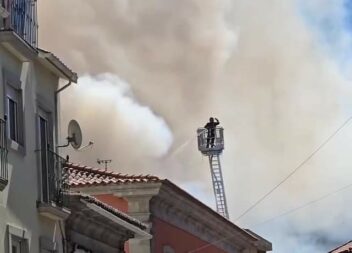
{"points": [[54, 64], [262, 243], [210, 210], [139, 233]]}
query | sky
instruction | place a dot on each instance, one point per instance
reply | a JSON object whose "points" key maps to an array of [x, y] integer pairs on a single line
{"points": [[276, 74]]}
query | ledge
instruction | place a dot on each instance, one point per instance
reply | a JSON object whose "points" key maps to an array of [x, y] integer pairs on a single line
{"points": [[17, 46], [3, 183], [24, 51], [52, 211]]}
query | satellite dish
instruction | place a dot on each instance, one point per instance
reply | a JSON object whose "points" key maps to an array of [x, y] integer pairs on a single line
{"points": [[74, 134]]}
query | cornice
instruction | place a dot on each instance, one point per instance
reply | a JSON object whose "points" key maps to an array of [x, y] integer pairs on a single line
{"points": [[122, 190], [169, 203], [172, 207]]}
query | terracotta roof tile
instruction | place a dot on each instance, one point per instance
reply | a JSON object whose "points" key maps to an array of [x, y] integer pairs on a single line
{"points": [[106, 207], [80, 175]]}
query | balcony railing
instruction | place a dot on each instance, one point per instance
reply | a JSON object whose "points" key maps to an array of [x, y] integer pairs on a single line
{"points": [[22, 19], [3, 155], [54, 179], [210, 141]]}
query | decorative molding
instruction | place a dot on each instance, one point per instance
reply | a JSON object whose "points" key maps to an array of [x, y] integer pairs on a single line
{"points": [[169, 203], [52, 211], [16, 231], [17, 46], [172, 207], [160, 200]]}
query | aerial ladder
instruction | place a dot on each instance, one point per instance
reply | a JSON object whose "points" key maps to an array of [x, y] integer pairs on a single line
{"points": [[211, 144]]}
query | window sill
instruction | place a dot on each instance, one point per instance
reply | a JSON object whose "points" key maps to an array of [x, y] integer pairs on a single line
{"points": [[52, 211], [3, 183]]}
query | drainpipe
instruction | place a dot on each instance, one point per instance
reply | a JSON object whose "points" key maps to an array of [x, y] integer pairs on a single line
{"points": [[57, 112], [63, 236]]}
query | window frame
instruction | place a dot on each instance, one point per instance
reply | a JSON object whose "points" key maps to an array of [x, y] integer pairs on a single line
{"points": [[13, 91], [17, 237], [15, 120], [15, 243]]}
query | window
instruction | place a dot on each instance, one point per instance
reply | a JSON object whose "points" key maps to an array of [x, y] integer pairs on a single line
{"points": [[18, 242], [12, 118], [18, 245], [45, 144], [43, 135], [14, 113]]}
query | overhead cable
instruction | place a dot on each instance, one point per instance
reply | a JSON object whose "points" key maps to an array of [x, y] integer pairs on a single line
{"points": [[294, 170], [304, 205], [278, 216], [330, 137]]}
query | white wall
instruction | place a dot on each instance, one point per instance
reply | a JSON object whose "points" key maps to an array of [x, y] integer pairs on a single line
{"points": [[18, 200]]}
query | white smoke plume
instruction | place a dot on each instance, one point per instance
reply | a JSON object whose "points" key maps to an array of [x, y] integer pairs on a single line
{"points": [[115, 122], [274, 72]]}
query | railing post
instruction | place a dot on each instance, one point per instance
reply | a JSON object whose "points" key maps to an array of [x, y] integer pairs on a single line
{"points": [[3, 155], [57, 178]]}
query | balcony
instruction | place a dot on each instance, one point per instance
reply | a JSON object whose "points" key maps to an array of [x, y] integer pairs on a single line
{"points": [[3, 156], [20, 16], [210, 142], [54, 186]]}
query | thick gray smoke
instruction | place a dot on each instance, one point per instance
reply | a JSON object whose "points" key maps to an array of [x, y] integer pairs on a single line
{"points": [[261, 67]]}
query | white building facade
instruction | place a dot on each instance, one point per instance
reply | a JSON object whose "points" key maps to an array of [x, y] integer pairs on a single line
{"points": [[32, 209]]}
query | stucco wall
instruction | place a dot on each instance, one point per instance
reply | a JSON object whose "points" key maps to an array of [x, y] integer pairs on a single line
{"points": [[113, 201], [18, 200], [165, 234]]}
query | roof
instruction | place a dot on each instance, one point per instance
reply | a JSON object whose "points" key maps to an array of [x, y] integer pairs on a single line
{"points": [[110, 209], [347, 247], [87, 211], [80, 175], [264, 244], [85, 176], [51, 61]]}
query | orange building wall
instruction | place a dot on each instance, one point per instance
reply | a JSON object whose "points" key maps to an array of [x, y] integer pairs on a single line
{"points": [[115, 202], [180, 240]]}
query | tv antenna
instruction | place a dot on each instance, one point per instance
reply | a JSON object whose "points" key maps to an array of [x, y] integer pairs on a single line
{"points": [[211, 144], [99, 161]]}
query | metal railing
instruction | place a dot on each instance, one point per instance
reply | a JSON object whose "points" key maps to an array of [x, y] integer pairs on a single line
{"points": [[54, 179], [3, 153], [210, 140], [22, 19]]}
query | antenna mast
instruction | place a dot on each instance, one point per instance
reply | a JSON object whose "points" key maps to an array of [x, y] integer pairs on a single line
{"points": [[105, 162], [211, 144]]}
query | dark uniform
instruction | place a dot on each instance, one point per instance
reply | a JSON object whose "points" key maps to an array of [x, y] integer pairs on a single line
{"points": [[211, 126]]}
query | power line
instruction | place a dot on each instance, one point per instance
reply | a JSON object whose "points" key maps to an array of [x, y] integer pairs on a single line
{"points": [[283, 181], [304, 205], [281, 215], [295, 169], [276, 217]]}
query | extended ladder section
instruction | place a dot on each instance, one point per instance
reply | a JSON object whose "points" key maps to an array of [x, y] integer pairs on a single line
{"points": [[218, 185]]}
